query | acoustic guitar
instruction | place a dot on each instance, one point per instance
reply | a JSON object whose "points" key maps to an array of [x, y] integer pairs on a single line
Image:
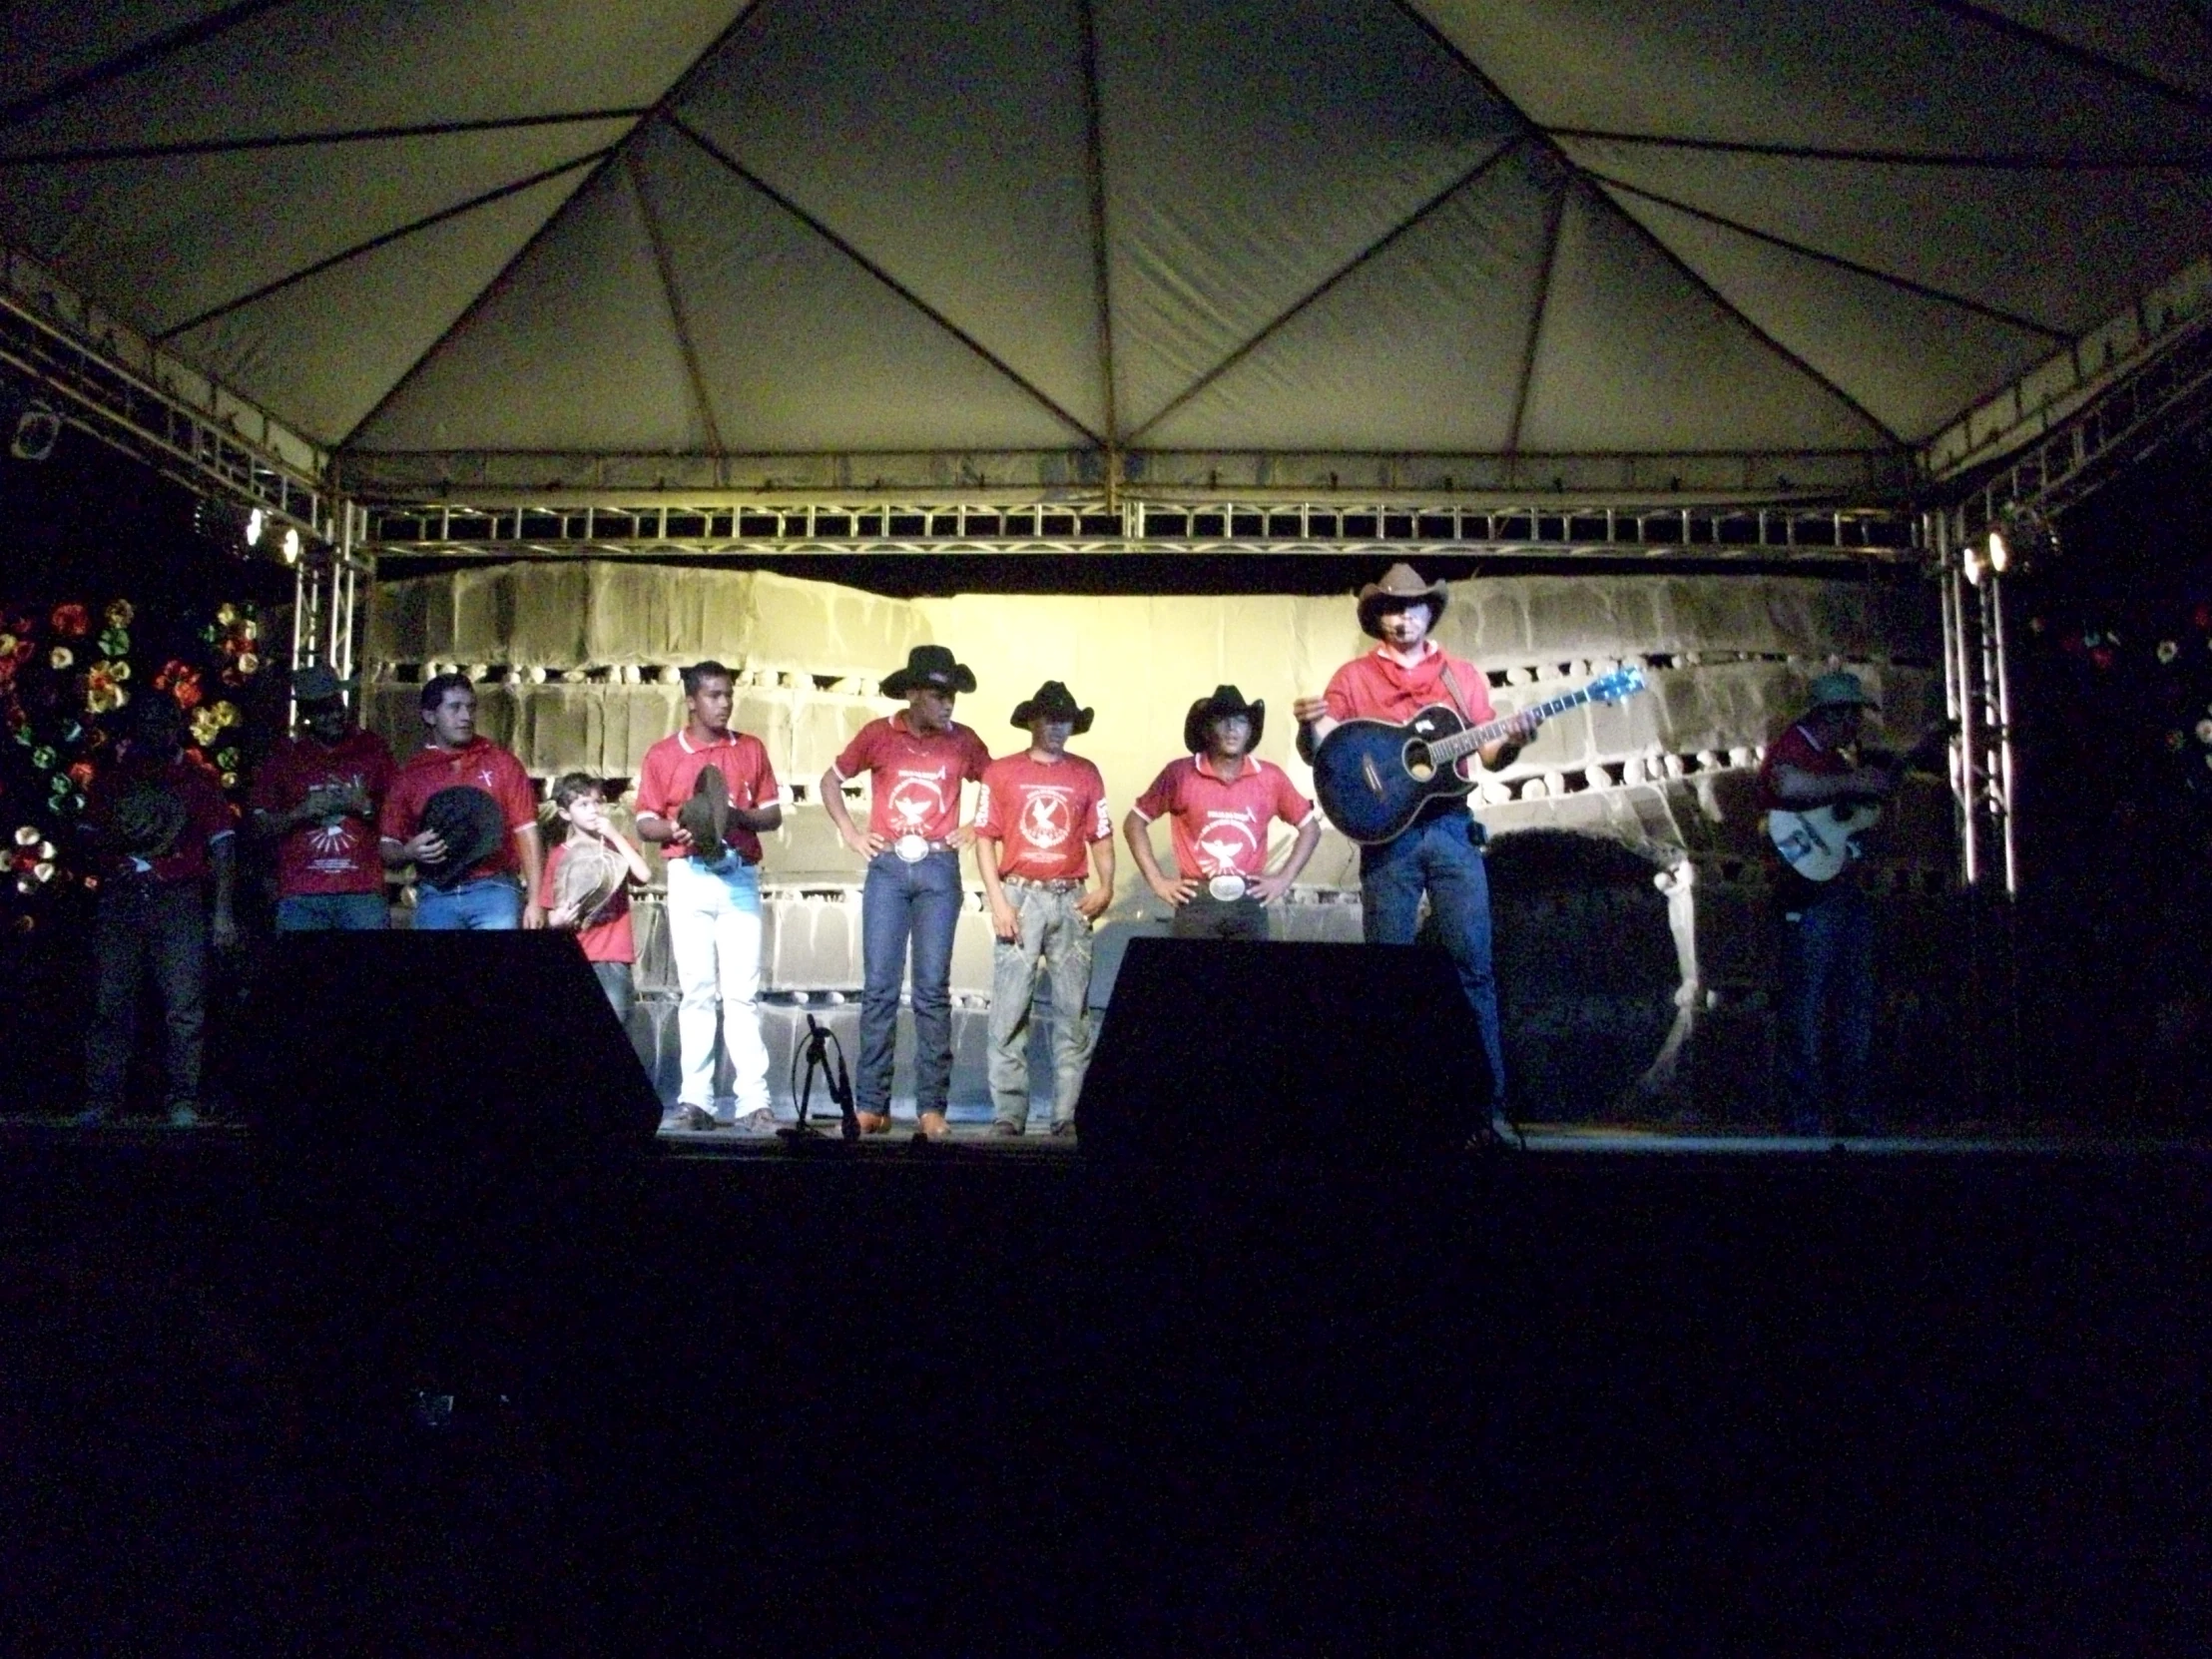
{"points": [[1373, 777], [1821, 843]]}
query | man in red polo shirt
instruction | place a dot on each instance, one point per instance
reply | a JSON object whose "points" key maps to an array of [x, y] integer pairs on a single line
{"points": [[487, 895], [1222, 797], [916, 762], [706, 796], [1040, 812], [1440, 853], [164, 841], [316, 796]]}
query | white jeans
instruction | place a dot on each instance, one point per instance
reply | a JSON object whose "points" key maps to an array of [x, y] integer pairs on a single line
{"points": [[714, 932]]}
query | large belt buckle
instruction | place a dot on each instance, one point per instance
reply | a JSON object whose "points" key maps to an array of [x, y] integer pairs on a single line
{"points": [[1225, 889], [911, 849]]}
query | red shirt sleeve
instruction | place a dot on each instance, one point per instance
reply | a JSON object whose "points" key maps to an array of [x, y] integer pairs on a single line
{"points": [[517, 800], [987, 804], [395, 821], [1160, 800], [1291, 807], [765, 790], [208, 814], [974, 758], [272, 791], [1102, 827], [1338, 694], [545, 875], [653, 783], [860, 753]]}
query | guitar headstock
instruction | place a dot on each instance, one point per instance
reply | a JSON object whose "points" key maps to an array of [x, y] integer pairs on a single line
{"points": [[1625, 681]]}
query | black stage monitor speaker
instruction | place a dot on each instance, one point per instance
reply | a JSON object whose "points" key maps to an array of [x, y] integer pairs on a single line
{"points": [[1221, 1051], [442, 1039]]}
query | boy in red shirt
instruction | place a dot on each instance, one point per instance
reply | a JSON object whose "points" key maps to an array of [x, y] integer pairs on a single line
{"points": [[1221, 797], [916, 763], [709, 775], [487, 895], [317, 797], [1440, 853], [1037, 811], [605, 933]]}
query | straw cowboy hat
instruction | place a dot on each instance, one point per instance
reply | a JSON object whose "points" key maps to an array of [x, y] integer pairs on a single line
{"points": [[1225, 701], [1053, 701], [930, 666], [1400, 586]]}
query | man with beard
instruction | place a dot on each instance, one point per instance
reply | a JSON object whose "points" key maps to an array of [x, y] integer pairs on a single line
{"points": [[162, 836], [317, 797], [1222, 797], [916, 761], [1040, 812], [706, 796]]}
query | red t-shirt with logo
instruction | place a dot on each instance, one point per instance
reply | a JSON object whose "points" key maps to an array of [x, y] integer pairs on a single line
{"points": [[1797, 748], [207, 814], [671, 772], [478, 765], [337, 855], [611, 938], [1220, 829], [1044, 814], [913, 781], [1379, 687]]}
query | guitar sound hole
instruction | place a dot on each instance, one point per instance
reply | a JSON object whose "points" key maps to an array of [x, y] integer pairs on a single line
{"points": [[1418, 763]]}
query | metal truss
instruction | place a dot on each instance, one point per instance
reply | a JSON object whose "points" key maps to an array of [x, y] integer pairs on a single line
{"points": [[104, 379], [1227, 527]]}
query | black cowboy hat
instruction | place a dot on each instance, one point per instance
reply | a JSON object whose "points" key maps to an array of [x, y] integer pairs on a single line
{"points": [[1400, 586], [1053, 701], [707, 812], [930, 666], [1227, 699], [470, 823]]}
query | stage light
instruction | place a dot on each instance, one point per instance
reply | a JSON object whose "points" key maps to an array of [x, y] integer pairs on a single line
{"points": [[37, 429], [2000, 556], [1973, 560], [291, 545], [255, 522]]}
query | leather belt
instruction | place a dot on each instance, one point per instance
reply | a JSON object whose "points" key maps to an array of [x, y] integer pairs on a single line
{"points": [[1063, 883]]}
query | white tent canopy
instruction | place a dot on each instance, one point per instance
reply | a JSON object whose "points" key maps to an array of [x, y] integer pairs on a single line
{"points": [[918, 239]]}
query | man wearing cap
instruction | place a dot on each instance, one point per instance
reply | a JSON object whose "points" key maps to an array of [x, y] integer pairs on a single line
{"points": [[1221, 797], [1041, 818], [1440, 853], [467, 853], [317, 797], [162, 836], [1827, 1011], [916, 762], [706, 796]]}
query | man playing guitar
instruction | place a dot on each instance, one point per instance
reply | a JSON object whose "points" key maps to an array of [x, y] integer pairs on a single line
{"points": [[1827, 1013], [1440, 853]]}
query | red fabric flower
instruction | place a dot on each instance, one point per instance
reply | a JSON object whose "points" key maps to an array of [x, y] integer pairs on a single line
{"points": [[72, 620]]}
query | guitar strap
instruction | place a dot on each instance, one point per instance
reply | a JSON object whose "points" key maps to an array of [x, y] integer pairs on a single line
{"points": [[1451, 687]]}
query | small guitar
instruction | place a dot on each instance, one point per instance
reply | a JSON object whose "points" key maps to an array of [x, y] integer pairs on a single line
{"points": [[1375, 777], [1821, 843]]}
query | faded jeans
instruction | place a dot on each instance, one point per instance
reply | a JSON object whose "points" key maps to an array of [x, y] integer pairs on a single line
{"points": [[1057, 935], [714, 932], [142, 926], [902, 904], [1826, 1031], [1439, 854]]}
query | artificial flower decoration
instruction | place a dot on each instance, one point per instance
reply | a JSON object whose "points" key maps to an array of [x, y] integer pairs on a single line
{"points": [[2204, 732], [60, 658], [249, 663], [71, 621], [205, 725], [114, 641], [2168, 650], [118, 614], [26, 836]]}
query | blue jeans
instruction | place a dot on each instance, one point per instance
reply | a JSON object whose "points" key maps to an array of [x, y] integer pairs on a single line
{"points": [[332, 912], [1439, 856], [488, 904], [1826, 1023], [144, 928], [901, 902]]}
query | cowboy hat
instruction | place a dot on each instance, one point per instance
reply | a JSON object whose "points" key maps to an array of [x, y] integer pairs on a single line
{"points": [[1400, 586], [469, 822], [1225, 701], [1840, 689], [588, 877], [148, 817], [705, 813], [1053, 701], [930, 666], [317, 682]]}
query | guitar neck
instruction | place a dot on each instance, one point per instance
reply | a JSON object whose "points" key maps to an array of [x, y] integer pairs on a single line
{"points": [[1444, 750]]}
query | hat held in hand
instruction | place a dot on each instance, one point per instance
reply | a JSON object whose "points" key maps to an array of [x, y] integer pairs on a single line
{"points": [[470, 823]]}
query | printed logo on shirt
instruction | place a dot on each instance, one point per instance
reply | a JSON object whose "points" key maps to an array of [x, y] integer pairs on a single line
{"points": [[916, 800], [1225, 839], [1047, 817]]}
